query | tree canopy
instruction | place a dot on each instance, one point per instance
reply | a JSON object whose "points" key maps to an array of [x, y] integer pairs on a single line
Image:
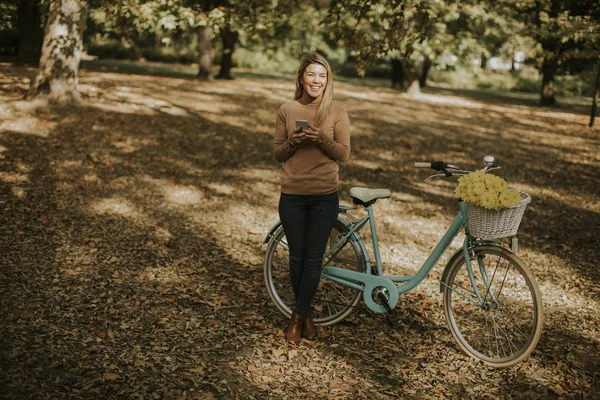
{"points": [[553, 35]]}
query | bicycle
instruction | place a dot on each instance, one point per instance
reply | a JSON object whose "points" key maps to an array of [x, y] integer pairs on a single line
{"points": [[492, 303]]}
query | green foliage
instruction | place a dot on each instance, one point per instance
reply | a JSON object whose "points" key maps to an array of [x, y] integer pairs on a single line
{"points": [[527, 80], [170, 54], [561, 29], [372, 30], [9, 35], [115, 49], [112, 48], [278, 61]]}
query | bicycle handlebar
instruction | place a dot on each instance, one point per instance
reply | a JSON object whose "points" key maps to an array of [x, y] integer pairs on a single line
{"points": [[422, 164], [450, 169], [437, 165]]}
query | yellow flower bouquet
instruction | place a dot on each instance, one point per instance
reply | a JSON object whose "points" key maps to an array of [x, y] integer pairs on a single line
{"points": [[487, 191], [495, 211]]}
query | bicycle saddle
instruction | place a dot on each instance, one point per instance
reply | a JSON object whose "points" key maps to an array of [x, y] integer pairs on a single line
{"points": [[366, 196]]}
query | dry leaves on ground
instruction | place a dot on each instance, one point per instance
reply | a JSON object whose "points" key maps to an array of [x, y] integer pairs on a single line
{"points": [[132, 230]]}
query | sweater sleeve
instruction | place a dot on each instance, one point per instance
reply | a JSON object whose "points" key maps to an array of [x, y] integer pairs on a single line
{"points": [[339, 147], [282, 148]]}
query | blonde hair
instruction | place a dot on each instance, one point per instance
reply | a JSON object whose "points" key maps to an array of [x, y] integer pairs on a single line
{"points": [[327, 98]]}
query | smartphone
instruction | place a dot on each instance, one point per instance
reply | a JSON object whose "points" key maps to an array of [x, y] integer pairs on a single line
{"points": [[302, 124]]}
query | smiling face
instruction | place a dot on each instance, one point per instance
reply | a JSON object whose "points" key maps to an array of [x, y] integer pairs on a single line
{"points": [[314, 80]]}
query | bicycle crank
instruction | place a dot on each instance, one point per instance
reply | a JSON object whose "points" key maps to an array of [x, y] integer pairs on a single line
{"points": [[382, 296]]}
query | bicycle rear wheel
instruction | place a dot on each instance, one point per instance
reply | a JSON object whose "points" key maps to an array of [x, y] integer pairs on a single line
{"points": [[503, 327], [333, 301]]}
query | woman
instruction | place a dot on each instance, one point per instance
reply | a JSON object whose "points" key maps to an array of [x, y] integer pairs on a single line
{"points": [[308, 205]]}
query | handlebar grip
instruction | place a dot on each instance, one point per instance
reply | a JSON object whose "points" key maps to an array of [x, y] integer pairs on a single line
{"points": [[422, 164]]}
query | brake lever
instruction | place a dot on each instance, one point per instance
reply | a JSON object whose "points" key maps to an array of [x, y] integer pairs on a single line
{"points": [[439, 175]]}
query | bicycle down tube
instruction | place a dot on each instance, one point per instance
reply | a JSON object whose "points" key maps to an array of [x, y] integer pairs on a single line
{"points": [[359, 280]]}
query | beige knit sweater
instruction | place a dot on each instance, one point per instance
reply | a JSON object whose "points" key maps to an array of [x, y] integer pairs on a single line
{"points": [[311, 168]]}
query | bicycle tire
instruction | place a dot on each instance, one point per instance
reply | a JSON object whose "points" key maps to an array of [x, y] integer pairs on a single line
{"points": [[333, 301], [510, 318]]}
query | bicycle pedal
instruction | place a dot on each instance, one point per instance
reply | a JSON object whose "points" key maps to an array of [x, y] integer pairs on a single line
{"points": [[392, 320]]}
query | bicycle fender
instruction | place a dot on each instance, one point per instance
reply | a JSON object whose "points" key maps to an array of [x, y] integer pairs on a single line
{"points": [[451, 261], [457, 254], [272, 232]]}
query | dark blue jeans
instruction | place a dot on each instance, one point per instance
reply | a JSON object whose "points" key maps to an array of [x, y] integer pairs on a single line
{"points": [[307, 222]]}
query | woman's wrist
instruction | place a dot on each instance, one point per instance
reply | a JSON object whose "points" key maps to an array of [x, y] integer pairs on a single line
{"points": [[322, 140]]}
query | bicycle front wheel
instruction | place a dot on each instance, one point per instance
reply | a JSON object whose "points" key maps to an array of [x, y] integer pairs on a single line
{"points": [[333, 301], [504, 324]]}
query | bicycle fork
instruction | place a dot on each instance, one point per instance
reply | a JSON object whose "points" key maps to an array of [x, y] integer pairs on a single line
{"points": [[468, 250]]}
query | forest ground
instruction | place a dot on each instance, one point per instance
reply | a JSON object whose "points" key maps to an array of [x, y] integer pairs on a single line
{"points": [[132, 228]]}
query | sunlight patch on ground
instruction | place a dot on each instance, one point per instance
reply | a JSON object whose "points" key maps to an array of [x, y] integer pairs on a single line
{"points": [[116, 206], [262, 174], [531, 112], [237, 117], [121, 108], [373, 94], [282, 95], [133, 96], [406, 242], [183, 195], [18, 192], [204, 103], [26, 125], [454, 101], [438, 190], [15, 178], [221, 188], [560, 297], [367, 164], [130, 145], [174, 194], [568, 198], [405, 197]]}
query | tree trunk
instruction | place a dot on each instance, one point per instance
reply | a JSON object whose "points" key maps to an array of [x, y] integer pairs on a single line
{"points": [[549, 68], [229, 40], [61, 52], [31, 34], [424, 71], [398, 74], [483, 61], [413, 79], [205, 61], [596, 95]]}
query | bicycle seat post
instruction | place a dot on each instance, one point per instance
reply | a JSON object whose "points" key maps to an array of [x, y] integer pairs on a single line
{"points": [[369, 209]]}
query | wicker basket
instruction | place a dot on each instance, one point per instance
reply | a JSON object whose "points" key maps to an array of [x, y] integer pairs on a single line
{"points": [[489, 224]]}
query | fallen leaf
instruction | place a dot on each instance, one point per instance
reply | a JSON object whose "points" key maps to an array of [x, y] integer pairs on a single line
{"points": [[199, 370], [109, 376]]}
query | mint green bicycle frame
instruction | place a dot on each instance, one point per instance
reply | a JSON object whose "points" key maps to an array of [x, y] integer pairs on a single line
{"points": [[370, 281]]}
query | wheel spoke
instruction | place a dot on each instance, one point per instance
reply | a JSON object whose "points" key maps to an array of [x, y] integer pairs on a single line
{"points": [[466, 297], [506, 327], [340, 300]]}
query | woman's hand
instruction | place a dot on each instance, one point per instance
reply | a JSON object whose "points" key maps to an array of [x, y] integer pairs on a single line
{"points": [[298, 136], [314, 134]]}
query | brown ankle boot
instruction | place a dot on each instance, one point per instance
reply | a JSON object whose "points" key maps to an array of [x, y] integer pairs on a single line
{"points": [[309, 331], [294, 329]]}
